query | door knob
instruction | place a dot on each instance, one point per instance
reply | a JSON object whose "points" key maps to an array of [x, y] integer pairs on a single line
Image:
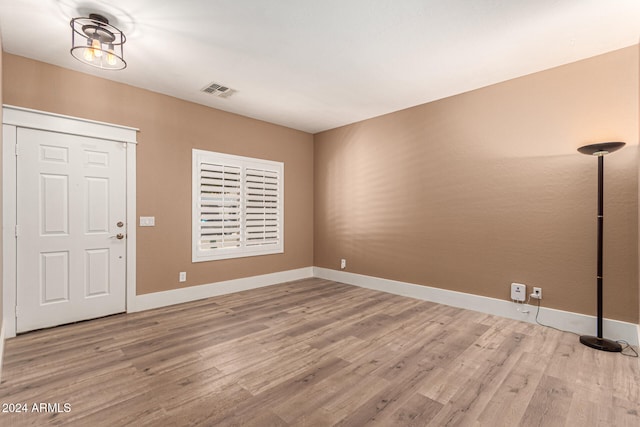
{"points": [[118, 236]]}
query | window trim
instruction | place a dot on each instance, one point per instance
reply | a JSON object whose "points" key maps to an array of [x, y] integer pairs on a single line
{"points": [[197, 253]]}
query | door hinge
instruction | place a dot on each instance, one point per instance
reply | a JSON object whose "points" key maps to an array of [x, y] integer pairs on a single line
{"points": [[17, 230], [16, 311], [16, 149]]}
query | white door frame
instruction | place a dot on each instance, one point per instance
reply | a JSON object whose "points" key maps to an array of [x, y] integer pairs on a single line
{"points": [[18, 117]]}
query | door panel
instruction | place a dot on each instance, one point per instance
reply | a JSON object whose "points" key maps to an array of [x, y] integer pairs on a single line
{"points": [[54, 206], [71, 194], [97, 272], [97, 205], [54, 277]]}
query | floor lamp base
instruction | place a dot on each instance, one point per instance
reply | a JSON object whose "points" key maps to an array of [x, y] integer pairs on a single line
{"points": [[600, 343]]}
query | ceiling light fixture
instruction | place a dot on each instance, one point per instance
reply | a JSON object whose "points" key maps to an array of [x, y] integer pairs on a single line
{"points": [[96, 42]]}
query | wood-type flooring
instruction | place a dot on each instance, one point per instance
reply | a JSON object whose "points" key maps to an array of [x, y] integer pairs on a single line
{"points": [[313, 353]]}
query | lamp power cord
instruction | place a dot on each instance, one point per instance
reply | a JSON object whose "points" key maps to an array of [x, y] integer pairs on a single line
{"points": [[627, 349]]}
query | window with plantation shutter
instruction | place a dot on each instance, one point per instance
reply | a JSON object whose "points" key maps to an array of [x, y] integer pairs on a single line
{"points": [[237, 206]]}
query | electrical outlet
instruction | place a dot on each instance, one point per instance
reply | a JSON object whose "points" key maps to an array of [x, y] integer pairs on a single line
{"points": [[537, 293], [518, 292], [183, 276], [343, 263]]}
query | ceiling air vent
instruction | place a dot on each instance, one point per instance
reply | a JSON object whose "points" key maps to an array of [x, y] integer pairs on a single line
{"points": [[218, 90]]}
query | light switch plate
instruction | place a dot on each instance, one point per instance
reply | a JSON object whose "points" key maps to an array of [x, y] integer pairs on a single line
{"points": [[147, 221]]}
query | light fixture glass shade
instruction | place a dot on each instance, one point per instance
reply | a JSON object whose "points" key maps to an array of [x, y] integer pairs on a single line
{"points": [[97, 43]]}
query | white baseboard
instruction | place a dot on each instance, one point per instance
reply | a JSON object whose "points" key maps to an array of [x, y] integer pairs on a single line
{"points": [[575, 322], [193, 293]]}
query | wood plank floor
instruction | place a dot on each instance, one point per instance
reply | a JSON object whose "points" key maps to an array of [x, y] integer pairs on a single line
{"points": [[315, 353]]}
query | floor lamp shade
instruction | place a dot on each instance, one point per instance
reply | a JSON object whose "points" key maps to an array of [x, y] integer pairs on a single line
{"points": [[600, 150]]}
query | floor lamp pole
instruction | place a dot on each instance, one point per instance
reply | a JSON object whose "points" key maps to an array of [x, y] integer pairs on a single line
{"points": [[600, 241], [600, 150]]}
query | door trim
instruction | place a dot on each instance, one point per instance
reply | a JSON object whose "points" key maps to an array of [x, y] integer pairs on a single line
{"points": [[18, 117]]}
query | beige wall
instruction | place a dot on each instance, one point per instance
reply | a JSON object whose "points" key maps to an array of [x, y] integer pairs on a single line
{"points": [[1, 207], [468, 193], [169, 129], [476, 191]]}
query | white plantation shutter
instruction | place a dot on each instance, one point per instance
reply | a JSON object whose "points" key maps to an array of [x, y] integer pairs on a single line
{"points": [[261, 203], [220, 201], [237, 206]]}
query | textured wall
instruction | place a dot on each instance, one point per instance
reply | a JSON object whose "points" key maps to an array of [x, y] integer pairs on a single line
{"points": [[1, 207], [476, 191], [169, 129], [468, 193]]}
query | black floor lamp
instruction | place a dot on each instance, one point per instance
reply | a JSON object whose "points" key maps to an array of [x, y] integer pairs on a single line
{"points": [[600, 150]]}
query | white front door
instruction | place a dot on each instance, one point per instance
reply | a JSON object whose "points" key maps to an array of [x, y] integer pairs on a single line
{"points": [[71, 216]]}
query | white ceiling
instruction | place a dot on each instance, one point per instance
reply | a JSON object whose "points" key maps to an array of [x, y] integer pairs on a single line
{"points": [[319, 64]]}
